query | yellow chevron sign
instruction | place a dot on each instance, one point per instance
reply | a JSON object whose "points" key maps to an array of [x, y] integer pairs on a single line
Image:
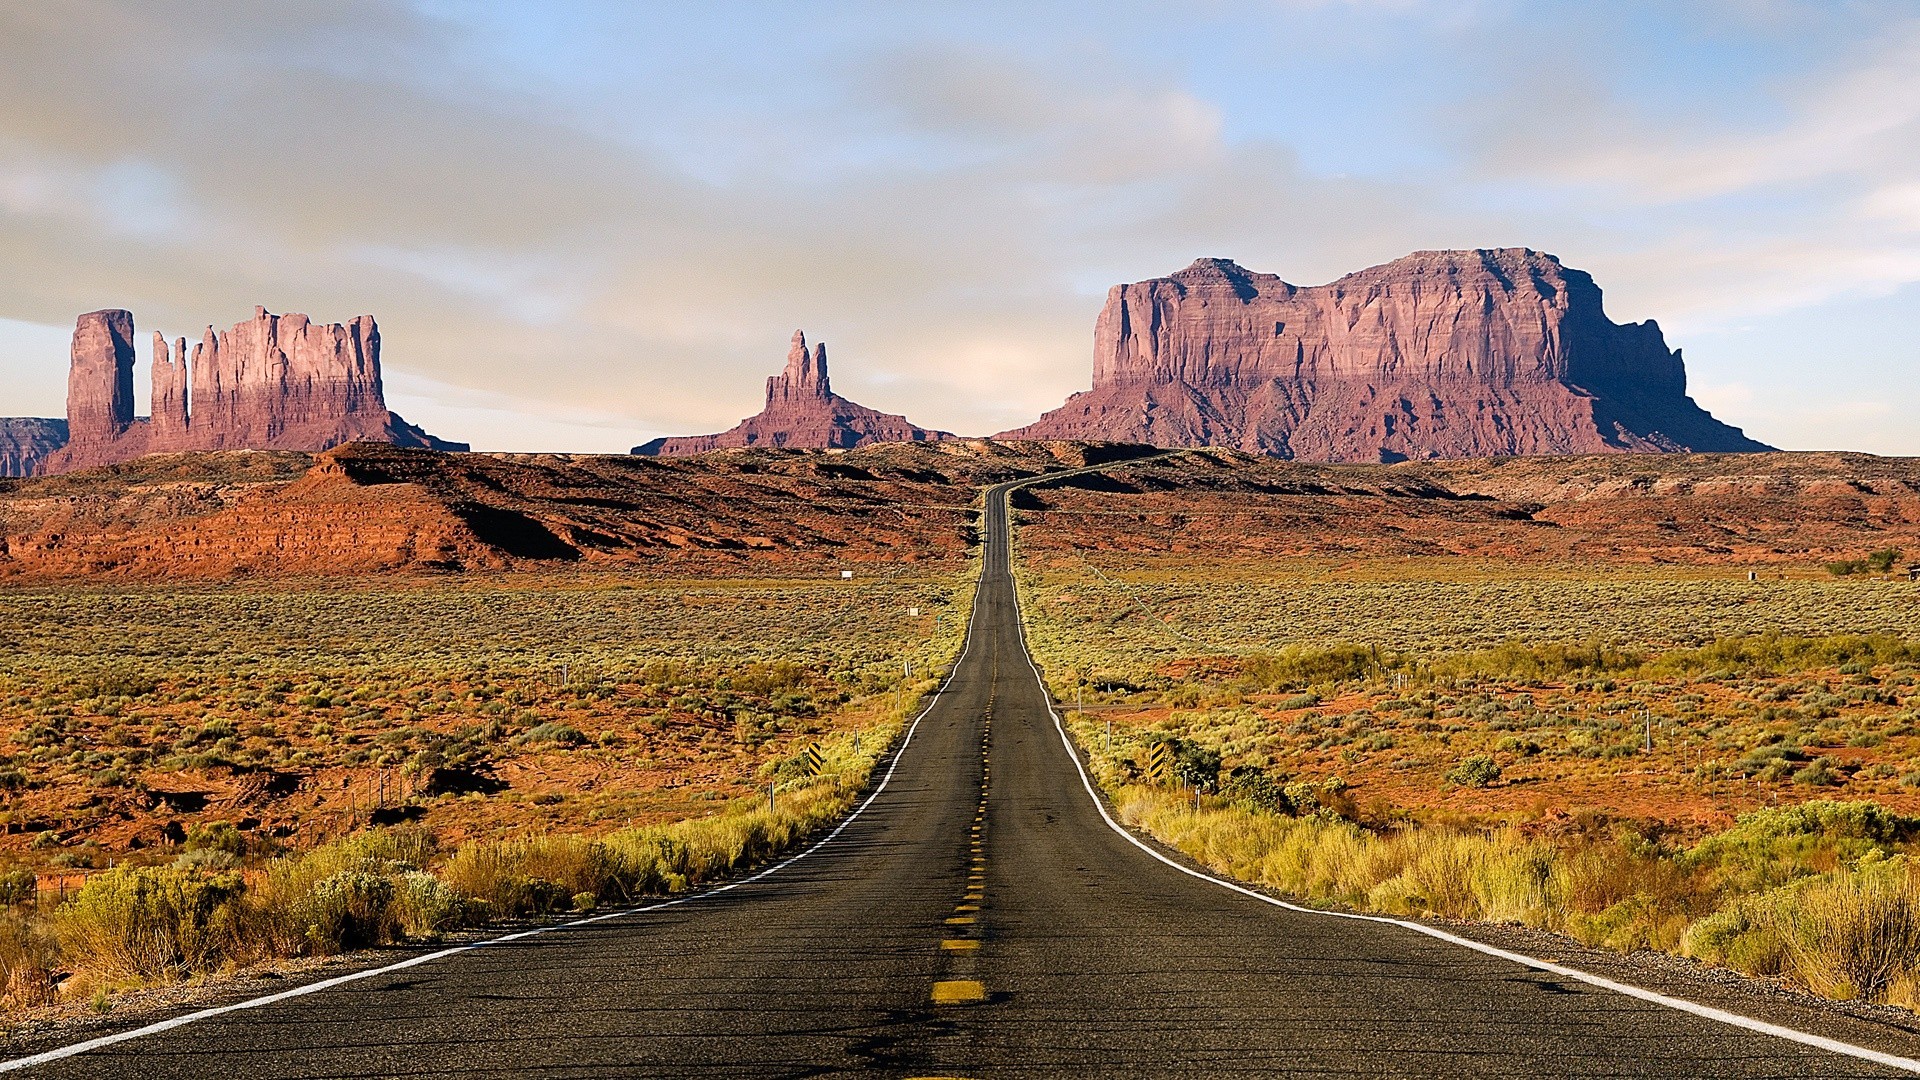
{"points": [[1159, 763]]}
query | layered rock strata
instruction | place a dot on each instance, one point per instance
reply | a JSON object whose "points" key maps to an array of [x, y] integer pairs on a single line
{"points": [[1442, 354], [274, 382], [802, 411], [26, 441]]}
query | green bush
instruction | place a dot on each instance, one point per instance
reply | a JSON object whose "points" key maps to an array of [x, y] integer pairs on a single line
{"points": [[553, 731], [138, 922], [17, 886], [1477, 771], [346, 910]]}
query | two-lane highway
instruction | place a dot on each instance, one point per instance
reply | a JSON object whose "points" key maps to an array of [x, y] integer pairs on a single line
{"points": [[978, 918]]}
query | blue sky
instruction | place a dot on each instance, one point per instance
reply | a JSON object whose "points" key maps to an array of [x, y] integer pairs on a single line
{"points": [[585, 224]]}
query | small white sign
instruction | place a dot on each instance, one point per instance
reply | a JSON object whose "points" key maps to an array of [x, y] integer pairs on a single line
{"points": [[845, 574], [914, 612]]}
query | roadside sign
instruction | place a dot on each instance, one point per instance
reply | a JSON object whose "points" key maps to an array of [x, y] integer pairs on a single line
{"points": [[1159, 764], [814, 760], [845, 575]]}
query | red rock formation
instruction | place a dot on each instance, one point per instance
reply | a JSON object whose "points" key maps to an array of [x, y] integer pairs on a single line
{"points": [[802, 411], [26, 441], [169, 392], [100, 380], [1442, 354], [275, 382]]}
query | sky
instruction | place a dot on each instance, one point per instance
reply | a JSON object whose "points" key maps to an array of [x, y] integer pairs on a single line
{"points": [[582, 225]]}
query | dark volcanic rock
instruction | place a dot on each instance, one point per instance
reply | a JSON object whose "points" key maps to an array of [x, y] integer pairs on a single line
{"points": [[1442, 354], [803, 412]]}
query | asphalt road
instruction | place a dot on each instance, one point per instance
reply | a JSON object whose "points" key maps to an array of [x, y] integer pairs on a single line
{"points": [[933, 937]]}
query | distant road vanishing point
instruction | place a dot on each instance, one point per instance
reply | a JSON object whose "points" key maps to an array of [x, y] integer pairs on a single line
{"points": [[979, 916]]}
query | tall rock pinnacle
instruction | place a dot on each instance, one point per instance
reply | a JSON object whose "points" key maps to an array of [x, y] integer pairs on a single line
{"points": [[806, 376], [100, 380], [803, 412], [169, 390]]}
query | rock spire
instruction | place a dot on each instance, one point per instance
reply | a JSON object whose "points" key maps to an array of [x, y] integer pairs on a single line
{"points": [[802, 411]]}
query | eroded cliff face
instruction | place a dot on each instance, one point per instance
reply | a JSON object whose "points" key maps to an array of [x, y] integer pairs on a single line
{"points": [[274, 382], [1442, 354], [26, 441], [802, 412]]}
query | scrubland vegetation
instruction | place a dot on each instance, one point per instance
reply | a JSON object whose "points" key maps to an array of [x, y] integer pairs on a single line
{"points": [[251, 774], [1675, 760], [203, 913]]}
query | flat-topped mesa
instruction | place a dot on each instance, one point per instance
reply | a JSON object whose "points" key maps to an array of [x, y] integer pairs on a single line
{"points": [[273, 382], [802, 412], [1441, 354]]}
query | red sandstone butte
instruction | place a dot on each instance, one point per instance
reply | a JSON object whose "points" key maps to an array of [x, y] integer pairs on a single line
{"points": [[1442, 354], [802, 412], [274, 382]]}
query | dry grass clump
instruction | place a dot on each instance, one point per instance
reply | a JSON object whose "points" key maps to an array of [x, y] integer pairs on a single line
{"points": [[1849, 931]]}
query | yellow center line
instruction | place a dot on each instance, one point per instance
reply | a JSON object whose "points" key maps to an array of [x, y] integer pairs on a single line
{"points": [[959, 944], [958, 992]]}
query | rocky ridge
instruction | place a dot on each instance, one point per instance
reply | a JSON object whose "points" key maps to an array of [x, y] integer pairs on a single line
{"points": [[802, 411], [273, 382], [1441, 354], [372, 508]]}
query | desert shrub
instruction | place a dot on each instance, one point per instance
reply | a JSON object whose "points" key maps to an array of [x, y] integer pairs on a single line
{"points": [[345, 910], [1856, 934], [215, 836], [553, 731], [136, 923], [1847, 934], [17, 886], [425, 907], [28, 960], [1297, 666], [1477, 770], [1520, 660], [1255, 790], [529, 876], [114, 682]]}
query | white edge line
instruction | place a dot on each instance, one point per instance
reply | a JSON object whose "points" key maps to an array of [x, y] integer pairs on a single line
{"points": [[156, 1028], [1681, 1004]]}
